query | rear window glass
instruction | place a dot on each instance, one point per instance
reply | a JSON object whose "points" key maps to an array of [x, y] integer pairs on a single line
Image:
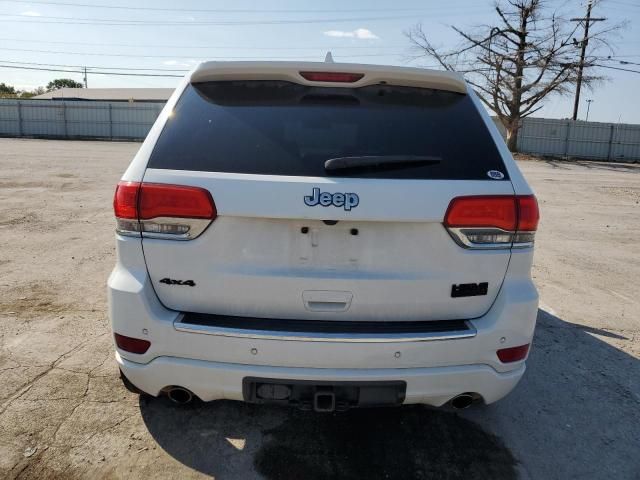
{"points": [[281, 128]]}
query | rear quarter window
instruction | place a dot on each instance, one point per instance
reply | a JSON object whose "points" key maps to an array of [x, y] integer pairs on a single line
{"points": [[281, 128]]}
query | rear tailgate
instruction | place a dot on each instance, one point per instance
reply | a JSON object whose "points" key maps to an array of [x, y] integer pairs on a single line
{"points": [[255, 260], [293, 241]]}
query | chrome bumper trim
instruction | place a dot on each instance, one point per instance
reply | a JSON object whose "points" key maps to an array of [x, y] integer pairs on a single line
{"points": [[470, 332]]}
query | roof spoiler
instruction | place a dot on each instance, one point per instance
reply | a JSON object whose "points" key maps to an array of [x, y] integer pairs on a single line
{"points": [[366, 74]]}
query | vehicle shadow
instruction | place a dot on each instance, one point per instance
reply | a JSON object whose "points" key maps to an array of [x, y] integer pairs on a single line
{"points": [[229, 439], [577, 410], [594, 165], [572, 415], [610, 166], [557, 164]]}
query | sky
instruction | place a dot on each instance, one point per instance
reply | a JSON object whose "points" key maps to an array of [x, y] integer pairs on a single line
{"points": [[165, 38]]}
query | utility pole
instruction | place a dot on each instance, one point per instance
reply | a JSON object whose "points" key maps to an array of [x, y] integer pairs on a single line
{"points": [[85, 78], [588, 106], [583, 49]]}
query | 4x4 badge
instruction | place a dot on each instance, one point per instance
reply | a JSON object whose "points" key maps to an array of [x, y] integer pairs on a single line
{"points": [[326, 199], [171, 281]]}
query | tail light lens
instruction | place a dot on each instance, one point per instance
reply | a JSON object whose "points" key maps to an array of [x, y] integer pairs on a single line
{"points": [[333, 77], [125, 201], [175, 201], [157, 210], [132, 345], [528, 217], [493, 221], [513, 354]]}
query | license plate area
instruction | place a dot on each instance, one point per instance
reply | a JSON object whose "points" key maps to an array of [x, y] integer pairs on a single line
{"points": [[328, 245], [323, 396]]}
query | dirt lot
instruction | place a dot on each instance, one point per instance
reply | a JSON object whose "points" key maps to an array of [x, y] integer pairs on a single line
{"points": [[63, 412]]}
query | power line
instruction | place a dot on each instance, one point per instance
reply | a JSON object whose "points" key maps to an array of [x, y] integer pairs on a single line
{"points": [[91, 67], [183, 57], [221, 23], [100, 72], [236, 47], [87, 53], [216, 10], [134, 71], [93, 72], [616, 68], [96, 72], [611, 59], [212, 47], [102, 68]]}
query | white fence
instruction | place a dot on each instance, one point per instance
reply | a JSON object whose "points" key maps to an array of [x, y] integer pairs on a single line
{"points": [[132, 121], [592, 140], [76, 119]]}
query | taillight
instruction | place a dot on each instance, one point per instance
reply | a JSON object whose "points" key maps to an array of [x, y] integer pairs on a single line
{"points": [[493, 221], [513, 354], [528, 216], [335, 77], [125, 206], [158, 210], [175, 201], [125, 201], [132, 345]]}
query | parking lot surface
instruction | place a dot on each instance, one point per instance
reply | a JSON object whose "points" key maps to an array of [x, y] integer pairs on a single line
{"points": [[64, 413]]}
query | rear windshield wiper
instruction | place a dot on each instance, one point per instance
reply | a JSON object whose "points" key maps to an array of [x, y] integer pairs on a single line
{"points": [[341, 163]]}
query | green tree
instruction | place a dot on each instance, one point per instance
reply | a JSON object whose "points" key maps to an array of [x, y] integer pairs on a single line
{"points": [[7, 91], [59, 83], [31, 93]]}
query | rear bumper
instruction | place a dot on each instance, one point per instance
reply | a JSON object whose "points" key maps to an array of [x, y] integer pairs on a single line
{"points": [[213, 365], [214, 381]]}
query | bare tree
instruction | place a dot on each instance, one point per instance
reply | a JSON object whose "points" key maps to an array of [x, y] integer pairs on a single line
{"points": [[517, 63]]}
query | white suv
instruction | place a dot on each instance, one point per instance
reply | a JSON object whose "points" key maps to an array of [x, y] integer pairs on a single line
{"points": [[326, 236]]}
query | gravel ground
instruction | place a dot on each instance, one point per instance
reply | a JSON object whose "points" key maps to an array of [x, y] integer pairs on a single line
{"points": [[64, 413]]}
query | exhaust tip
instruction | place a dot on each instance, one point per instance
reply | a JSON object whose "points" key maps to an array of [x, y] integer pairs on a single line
{"points": [[179, 395], [462, 401]]}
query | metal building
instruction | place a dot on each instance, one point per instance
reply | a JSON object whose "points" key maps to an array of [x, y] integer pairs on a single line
{"points": [[108, 94]]}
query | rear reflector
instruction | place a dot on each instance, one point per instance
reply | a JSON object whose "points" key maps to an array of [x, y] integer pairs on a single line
{"points": [[175, 212], [513, 354], [336, 77], [493, 221], [131, 345]]}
